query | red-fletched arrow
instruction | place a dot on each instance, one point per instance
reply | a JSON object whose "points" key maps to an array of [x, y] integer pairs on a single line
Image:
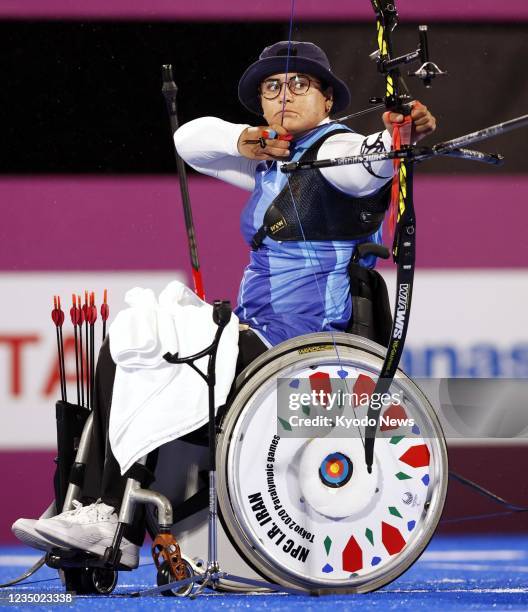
{"points": [[105, 312], [85, 305], [91, 311], [81, 355], [91, 317], [86, 315], [57, 316], [75, 317], [75, 312]]}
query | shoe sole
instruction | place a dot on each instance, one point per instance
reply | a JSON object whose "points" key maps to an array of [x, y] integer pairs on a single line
{"points": [[34, 540], [130, 560]]}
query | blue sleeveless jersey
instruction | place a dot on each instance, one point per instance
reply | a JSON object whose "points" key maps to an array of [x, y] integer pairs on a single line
{"points": [[294, 288]]}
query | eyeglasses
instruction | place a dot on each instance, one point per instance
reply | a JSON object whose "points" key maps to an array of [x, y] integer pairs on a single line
{"points": [[298, 85]]}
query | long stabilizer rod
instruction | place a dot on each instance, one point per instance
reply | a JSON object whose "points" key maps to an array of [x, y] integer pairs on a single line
{"points": [[170, 91], [484, 134], [449, 148]]}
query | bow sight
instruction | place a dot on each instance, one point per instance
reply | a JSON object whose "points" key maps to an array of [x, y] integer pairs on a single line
{"points": [[427, 71], [397, 93]]}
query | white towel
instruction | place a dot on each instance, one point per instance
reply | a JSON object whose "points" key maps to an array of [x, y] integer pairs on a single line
{"points": [[153, 401]]}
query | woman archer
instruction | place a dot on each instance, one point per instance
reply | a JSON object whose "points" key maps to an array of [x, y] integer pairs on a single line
{"points": [[304, 230]]}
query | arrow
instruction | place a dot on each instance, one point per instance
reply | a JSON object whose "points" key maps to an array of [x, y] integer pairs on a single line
{"points": [[75, 315], [57, 316], [81, 357], [105, 312]]}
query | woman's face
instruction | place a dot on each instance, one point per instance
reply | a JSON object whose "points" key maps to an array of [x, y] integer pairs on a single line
{"points": [[296, 113]]}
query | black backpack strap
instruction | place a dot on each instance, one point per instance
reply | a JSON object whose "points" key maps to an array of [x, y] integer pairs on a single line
{"points": [[258, 238]]}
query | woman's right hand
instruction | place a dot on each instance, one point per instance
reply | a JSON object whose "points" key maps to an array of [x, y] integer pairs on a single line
{"points": [[249, 143]]}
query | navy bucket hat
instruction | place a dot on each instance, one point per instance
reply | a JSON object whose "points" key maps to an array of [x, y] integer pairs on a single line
{"points": [[303, 57]]}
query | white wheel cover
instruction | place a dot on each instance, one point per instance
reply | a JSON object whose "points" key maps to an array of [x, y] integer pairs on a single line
{"points": [[326, 536]]}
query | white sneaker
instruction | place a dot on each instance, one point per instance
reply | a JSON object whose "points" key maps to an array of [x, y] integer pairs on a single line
{"points": [[24, 530], [89, 528]]}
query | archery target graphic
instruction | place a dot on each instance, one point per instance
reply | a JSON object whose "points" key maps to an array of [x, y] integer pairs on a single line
{"points": [[333, 477], [336, 470]]}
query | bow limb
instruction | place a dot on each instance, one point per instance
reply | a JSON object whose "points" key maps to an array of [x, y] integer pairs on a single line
{"points": [[396, 99]]}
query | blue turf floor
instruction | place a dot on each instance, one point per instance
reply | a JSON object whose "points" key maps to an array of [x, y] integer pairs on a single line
{"points": [[470, 573]]}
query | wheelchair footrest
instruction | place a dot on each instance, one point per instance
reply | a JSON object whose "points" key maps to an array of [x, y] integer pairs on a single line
{"points": [[59, 558]]}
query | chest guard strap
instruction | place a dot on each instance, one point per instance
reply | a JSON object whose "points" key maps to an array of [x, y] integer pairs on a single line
{"points": [[325, 212]]}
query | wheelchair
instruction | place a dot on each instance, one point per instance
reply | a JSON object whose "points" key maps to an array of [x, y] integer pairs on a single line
{"points": [[300, 512]]}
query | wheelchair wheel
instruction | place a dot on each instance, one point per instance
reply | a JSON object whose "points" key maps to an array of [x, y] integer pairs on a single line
{"points": [[164, 577], [304, 512], [102, 581], [90, 580]]}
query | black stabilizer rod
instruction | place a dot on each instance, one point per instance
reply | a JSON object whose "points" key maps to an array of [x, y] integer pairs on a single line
{"points": [[170, 92]]}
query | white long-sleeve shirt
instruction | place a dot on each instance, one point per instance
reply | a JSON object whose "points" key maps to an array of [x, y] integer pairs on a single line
{"points": [[209, 145]]}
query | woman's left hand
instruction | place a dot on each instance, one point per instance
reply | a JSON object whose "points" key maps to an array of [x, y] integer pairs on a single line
{"points": [[424, 123]]}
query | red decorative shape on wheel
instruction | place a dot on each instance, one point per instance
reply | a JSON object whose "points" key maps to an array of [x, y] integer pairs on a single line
{"points": [[320, 381], [416, 456], [352, 556], [392, 538], [364, 384], [394, 411]]}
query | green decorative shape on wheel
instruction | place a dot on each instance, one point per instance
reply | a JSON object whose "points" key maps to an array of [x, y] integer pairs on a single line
{"points": [[369, 535], [402, 476], [394, 511], [306, 410], [396, 439], [327, 544], [285, 424]]}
